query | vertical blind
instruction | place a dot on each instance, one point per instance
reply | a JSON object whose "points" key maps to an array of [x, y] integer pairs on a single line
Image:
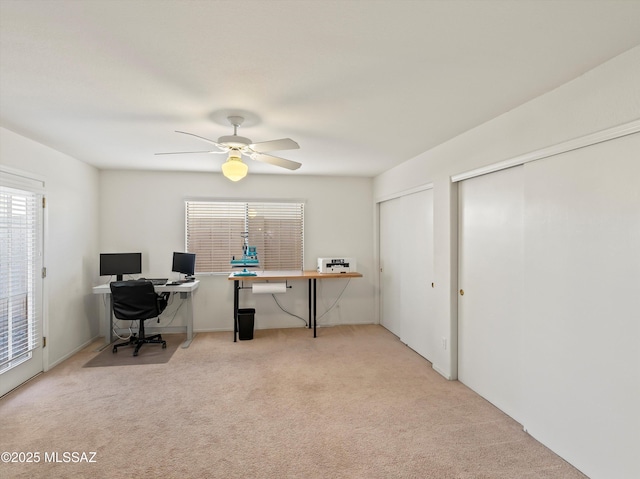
{"points": [[216, 231], [19, 271]]}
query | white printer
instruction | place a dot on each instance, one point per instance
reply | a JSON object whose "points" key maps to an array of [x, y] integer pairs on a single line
{"points": [[337, 265]]}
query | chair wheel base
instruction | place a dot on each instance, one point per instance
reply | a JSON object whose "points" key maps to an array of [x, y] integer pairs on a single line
{"points": [[138, 342]]}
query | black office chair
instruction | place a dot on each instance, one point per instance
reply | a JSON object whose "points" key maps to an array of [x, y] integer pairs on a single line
{"points": [[137, 300]]}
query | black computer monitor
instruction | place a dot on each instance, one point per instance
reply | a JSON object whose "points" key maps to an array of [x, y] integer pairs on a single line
{"points": [[120, 264], [184, 263]]}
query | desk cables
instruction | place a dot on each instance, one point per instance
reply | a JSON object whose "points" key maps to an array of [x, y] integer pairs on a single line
{"points": [[336, 301], [288, 312], [318, 317]]}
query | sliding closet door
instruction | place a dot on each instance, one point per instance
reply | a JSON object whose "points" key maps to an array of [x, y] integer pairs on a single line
{"points": [[418, 325], [391, 224], [406, 262], [582, 306], [490, 287]]}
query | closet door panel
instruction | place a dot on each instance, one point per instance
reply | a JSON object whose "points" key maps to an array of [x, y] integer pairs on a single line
{"points": [[418, 325], [406, 262], [490, 287], [582, 306], [391, 232]]}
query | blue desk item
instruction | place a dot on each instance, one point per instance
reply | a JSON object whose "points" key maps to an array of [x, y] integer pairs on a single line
{"points": [[249, 258], [244, 262], [245, 272]]}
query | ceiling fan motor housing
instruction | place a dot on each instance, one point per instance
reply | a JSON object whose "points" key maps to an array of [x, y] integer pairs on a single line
{"points": [[234, 141]]}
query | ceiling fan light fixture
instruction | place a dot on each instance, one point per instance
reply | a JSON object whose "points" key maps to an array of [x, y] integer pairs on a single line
{"points": [[237, 146], [234, 168]]}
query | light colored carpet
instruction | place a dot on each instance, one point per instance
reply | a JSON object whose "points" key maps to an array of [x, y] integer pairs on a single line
{"points": [[352, 403]]}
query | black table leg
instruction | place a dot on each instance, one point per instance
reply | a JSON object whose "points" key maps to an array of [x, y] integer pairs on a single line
{"points": [[310, 299], [314, 307], [236, 290]]}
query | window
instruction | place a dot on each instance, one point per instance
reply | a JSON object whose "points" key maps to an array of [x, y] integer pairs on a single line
{"points": [[19, 256], [216, 232]]}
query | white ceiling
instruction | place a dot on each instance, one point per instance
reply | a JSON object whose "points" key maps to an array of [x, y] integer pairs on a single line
{"points": [[360, 85]]}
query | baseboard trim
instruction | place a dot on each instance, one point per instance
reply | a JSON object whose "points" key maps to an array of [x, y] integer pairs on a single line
{"points": [[447, 376], [47, 367]]}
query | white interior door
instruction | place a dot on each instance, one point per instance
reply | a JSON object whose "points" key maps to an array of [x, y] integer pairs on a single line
{"points": [[490, 283], [582, 306], [390, 264], [416, 306], [406, 259]]}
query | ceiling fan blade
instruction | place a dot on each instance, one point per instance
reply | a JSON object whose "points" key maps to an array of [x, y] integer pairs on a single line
{"points": [[275, 145], [202, 138], [274, 160], [187, 152]]}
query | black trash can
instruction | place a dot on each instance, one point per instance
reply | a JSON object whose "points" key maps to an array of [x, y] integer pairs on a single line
{"points": [[246, 319]]}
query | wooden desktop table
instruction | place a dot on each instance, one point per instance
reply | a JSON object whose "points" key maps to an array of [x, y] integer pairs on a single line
{"points": [[310, 276]]}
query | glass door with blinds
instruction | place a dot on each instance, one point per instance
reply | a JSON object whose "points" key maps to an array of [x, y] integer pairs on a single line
{"points": [[21, 226]]}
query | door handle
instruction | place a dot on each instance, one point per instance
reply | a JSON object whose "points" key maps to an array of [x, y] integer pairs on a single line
{"points": [[462, 292]]}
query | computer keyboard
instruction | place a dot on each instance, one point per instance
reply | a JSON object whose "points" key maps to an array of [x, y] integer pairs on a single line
{"points": [[156, 281]]}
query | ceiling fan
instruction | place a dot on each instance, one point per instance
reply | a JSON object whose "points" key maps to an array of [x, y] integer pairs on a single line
{"points": [[236, 146]]}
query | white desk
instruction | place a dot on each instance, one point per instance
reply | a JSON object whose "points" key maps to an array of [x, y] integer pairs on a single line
{"points": [[186, 293]]}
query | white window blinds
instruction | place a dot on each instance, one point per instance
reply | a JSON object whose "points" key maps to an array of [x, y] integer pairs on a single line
{"points": [[215, 231], [19, 271]]}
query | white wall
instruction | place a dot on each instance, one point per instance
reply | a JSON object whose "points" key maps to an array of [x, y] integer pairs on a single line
{"points": [[144, 211], [605, 97], [71, 241]]}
